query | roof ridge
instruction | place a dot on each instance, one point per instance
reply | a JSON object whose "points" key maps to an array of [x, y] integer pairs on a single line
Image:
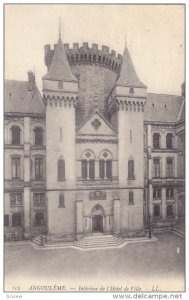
{"points": [[164, 94]]}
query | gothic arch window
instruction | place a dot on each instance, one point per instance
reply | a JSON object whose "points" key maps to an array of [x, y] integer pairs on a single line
{"points": [[156, 141], [61, 170], [38, 136], [131, 169], [39, 219], [88, 165], [105, 165], [169, 141], [15, 135], [61, 200]]}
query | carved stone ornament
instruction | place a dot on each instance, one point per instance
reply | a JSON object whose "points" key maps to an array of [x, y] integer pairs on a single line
{"points": [[96, 123]]}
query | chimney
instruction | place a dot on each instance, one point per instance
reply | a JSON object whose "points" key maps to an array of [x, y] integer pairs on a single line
{"points": [[183, 89], [31, 80]]}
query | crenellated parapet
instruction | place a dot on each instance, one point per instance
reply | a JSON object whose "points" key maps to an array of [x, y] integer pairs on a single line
{"points": [[126, 105], [60, 101], [86, 55]]}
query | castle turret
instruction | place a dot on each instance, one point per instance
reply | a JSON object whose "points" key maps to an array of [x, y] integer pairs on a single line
{"points": [[126, 107], [60, 92]]}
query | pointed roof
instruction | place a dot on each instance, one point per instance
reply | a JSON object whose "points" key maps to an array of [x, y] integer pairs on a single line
{"points": [[60, 68], [127, 75]]}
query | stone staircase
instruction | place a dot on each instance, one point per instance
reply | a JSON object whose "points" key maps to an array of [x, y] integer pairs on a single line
{"points": [[179, 229], [100, 242], [39, 240]]}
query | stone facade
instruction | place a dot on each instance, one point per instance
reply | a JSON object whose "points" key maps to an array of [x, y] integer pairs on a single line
{"points": [[96, 153]]}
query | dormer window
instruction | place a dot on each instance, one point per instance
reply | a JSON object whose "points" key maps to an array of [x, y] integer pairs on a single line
{"points": [[60, 84], [131, 90]]}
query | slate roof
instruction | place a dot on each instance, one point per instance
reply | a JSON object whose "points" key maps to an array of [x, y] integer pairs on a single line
{"points": [[163, 108], [60, 68], [19, 100], [127, 75]]}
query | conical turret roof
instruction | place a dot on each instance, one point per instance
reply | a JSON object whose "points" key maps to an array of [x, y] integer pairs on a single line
{"points": [[60, 68], [127, 75]]}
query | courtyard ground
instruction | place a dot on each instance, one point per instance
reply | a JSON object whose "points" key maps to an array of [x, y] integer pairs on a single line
{"points": [[159, 265]]}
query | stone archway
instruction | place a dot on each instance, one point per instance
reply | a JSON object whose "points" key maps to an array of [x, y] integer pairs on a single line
{"points": [[97, 218]]}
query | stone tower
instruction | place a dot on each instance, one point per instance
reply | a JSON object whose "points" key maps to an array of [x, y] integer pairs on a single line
{"points": [[126, 110], [60, 91]]}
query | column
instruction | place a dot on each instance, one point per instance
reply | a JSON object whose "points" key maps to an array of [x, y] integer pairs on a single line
{"points": [[175, 166], [176, 203], [105, 167], [116, 216], [88, 170], [164, 207], [163, 167], [27, 212], [96, 169], [79, 208], [150, 199], [149, 136]]}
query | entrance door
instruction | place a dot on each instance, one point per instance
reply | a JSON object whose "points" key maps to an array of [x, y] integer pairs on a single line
{"points": [[97, 223]]}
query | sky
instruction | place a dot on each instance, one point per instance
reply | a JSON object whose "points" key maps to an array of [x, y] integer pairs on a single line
{"points": [[154, 35]]}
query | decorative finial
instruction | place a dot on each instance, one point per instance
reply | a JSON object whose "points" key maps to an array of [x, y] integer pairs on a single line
{"points": [[60, 28]]}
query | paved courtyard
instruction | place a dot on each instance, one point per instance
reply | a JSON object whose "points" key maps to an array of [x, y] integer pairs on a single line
{"points": [[158, 265]]}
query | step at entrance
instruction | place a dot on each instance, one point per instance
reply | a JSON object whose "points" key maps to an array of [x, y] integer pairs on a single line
{"points": [[99, 241]]}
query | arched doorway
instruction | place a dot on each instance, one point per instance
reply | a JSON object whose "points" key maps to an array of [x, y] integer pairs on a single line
{"points": [[97, 218]]}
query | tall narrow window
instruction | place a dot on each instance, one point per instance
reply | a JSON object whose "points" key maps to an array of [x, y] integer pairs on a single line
{"points": [[15, 135], [15, 167], [156, 162], [61, 170], [130, 136], [61, 200], [60, 134], [131, 169], [38, 168], [91, 169], [6, 220], [169, 167], [84, 168], [16, 220], [131, 198], [38, 132], [109, 169], [169, 141], [156, 210], [156, 140], [101, 168], [39, 219]]}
